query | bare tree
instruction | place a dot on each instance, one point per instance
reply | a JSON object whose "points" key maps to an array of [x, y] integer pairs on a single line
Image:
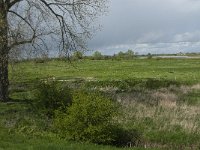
{"points": [[31, 23]]}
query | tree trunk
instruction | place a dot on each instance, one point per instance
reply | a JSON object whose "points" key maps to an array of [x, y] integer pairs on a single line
{"points": [[4, 50]]}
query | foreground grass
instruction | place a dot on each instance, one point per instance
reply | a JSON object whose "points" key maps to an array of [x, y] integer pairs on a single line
{"points": [[21, 129], [13, 141]]}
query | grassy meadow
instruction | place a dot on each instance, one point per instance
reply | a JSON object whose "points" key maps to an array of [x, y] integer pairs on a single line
{"points": [[160, 98], [181, 70]]}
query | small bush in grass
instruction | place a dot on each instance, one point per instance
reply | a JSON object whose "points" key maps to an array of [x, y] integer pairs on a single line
{"points": [[51, 96], [159, 83], [127, 138], [89, 119]]}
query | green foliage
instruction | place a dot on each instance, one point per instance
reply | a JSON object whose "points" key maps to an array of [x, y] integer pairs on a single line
{"points": [[191, 98], [97, 55], [77, 55], [89, 119], [159, 83], [125, 55], [40, 61], [120, 54], [130, 53], [149, 56], [130, 84], [128, 138], [51, 96]]}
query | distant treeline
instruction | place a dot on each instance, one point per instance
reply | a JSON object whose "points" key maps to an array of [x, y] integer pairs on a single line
{"points": [[129, 54], [97, 55]]}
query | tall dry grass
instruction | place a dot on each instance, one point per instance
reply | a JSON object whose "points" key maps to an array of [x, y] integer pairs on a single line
{"points": [[161, 110]]}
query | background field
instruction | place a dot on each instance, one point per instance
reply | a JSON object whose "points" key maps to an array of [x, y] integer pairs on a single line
{"points": [[182, 70]]}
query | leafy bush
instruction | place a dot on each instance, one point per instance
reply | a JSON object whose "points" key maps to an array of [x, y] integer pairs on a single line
{"points": [[51, 96], [159, 83], [127, 138], [97, 55], [77, 55], [149, 56], [89, 119]]}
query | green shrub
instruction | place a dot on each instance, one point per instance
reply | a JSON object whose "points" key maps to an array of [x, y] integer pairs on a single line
{"points": [[89, 119], [191, 98], [77, 55], [159, 83], [127, 138], [97, 55], [149, 56], [51, 96]]}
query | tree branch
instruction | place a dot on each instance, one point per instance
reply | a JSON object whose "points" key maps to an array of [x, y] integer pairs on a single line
{"points": [[12, 3], [22, 19]]}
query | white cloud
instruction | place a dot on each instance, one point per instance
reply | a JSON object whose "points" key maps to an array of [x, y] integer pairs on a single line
{"points": [[165, 25], [187, 36], [150, 37]]}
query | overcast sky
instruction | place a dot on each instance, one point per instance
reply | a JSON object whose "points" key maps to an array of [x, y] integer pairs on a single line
{"points": [[155, 26]]}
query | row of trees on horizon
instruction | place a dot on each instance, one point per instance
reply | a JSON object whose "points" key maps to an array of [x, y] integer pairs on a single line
{"points": [[96, 55]]}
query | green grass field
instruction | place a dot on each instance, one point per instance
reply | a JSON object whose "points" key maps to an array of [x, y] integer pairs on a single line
{"points": [[182, 70], [160, 99]]}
